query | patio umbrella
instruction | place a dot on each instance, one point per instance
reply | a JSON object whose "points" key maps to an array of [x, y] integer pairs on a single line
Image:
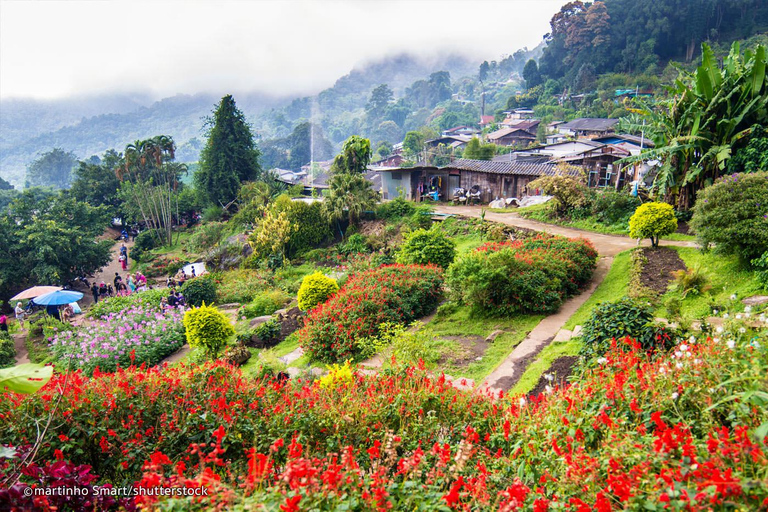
{"points": [[58, 298], [35, 291]]}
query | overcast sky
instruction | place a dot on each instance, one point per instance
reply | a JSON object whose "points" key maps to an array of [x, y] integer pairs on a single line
{"points": [[51, 49]]}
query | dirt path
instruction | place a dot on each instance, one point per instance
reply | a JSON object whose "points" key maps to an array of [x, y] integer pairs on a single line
{"points": [[506, 375], [606, 245], [107, 273], [22, 355]]}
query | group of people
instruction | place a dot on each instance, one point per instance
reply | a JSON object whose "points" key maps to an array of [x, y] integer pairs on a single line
{"points": [[180, 278], [133, 283], [123, 258], [175, 299]]}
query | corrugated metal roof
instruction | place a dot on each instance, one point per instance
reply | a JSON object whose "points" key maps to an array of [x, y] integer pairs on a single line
{"points": [[590, 124], [513, 168]]}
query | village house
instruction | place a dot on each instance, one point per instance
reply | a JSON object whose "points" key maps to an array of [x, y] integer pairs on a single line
{"points": [[453, 141], [587, 127], [466, 131], [511, 137]]}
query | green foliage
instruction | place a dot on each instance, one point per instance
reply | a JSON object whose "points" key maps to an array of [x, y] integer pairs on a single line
{"points": [[354, 157], [7, 350], [476, 150], [268, 331], [568, 190], [427, 246], [266, 303], [531, 74], [52, 169], [147, 300], [207, 328], [613, 208], [754, 156], [200, 290], [732, 214], [145, 241], [230, 155], [396, 208], [241, 286], [692, 280], [50, 240], [349, 196], [531, 275], [312, 228], [653, 220], [213, 214], [354, 244], [761, 264], [206, 236], [272, 236], [95, 182], [316, 289], [624, 318], [25, 378]]}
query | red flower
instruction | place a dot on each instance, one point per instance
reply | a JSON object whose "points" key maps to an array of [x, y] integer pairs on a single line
{"points": [[291, 504]]}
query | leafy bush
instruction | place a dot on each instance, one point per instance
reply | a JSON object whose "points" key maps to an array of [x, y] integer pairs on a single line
{"points": [[266, 303], [421, 217], [315, 289], [396, 293], [241, 286], [355, 244], [761, 264], [530, 275], [733, 215], [201, 289], [206, 236], [312, 228], [612, 207], [213, 214], [132, 336], [146, 300], [692, 280], [396, 208], [569, 191], [653, 220], [224, 256], [145, 242], [624, 318], [162, 266], [268, 331], [207, 328], [7, 350], [427, 246]]}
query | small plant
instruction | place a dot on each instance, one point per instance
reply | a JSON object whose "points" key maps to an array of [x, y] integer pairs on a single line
{"points": [[315, 289], [207, 328], [265, 303], [339, 375], [761, 264], [396, 208], [206, 236], [200, 290], [268, 331], [355, 244], [427, 246], [145, 242], [692, 280], [7, 350], [653, 220]]}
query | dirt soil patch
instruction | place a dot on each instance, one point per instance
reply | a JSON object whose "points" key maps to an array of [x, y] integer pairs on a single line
{"points": [[683, 228], [561, 368], [472, 347], [657, 271]]}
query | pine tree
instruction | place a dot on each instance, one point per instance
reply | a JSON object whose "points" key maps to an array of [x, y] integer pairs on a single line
{"points": [[230, 155]]}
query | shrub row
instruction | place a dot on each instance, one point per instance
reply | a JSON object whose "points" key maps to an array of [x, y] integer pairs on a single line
{"points": [[392, 293], [534, 275]]}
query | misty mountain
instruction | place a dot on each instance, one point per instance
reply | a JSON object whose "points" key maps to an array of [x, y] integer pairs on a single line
{"points": [[91, 125]]}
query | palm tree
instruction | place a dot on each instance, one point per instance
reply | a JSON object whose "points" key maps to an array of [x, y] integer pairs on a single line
{"points": [[349, 196]]}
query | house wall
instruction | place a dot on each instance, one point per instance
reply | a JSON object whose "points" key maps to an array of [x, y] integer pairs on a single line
{"points": [[495, 186], [392, 181]]}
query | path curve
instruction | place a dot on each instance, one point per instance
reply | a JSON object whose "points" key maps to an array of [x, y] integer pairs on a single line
{"points": [[606, 245]]}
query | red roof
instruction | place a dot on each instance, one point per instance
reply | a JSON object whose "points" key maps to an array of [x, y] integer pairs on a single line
{"points": [[487, 119]]}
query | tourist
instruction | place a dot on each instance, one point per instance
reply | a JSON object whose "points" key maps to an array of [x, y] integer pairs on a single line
{"points": [[131, 284], [110, 290], [193, 271], [123, 250], [117, 280], [123, 261], [66, 313], [103, 290], [163, 303], [172, 299], [95, 292], [53, 311], [3, 323], [180, 300], [20, 314]]}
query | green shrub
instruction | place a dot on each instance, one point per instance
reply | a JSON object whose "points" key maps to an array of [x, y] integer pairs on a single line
{"points": [[733, 215], [653, 220], [206, 236], [266, 303], [427, 246], [612, 207], [315, 289], [532, 275], [148, 299], [624, 318], [268, 331], [354, 244], [692, 280], [213, 214], [224, 256], [761, 264], [43, 329], [396, 208], [199, 290], [145, 242], [312, 228], [241, 285], [568, 191], [207, 328], [7, 350], [421, 217]]}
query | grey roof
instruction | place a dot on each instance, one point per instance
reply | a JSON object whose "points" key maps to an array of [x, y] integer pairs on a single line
{"points": [[594, 124], [519, 168]]}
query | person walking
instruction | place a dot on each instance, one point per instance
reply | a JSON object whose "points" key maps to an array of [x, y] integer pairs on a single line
{"points": [[117, 280], [95, 292], [3, 323], [123, 261], [131, 284], [20, 314]]}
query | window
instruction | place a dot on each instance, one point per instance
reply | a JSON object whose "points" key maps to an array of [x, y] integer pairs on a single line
{"points": [[397, 176]]}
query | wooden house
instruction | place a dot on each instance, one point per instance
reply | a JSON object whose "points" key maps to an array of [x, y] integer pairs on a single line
{"points": [[498, 179], [588, 127]]}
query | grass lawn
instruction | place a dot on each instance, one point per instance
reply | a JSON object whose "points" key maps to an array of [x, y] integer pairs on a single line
{"points": [[464, 244], [550, 353], [725, 276], [461, 323]]}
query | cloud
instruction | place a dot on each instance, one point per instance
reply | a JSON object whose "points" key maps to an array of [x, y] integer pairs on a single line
{"points": [[53, 49]]}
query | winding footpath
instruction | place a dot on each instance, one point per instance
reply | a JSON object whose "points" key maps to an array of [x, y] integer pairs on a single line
{"points": [[508, 373]]}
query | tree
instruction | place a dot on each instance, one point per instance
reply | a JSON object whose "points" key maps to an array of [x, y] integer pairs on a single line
{"points": [[229, 157], [482, 73], [566, 186], [349, 196], [425, 246], [381, 97], [272, 236], [354, 157], [96, 183], [413, 145], [49, 240], [476, 150], [531, 74], [653, 220], [4, 185], [52, 169], [754, 156]]}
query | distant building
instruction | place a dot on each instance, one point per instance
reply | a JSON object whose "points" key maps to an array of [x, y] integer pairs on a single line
{"points": [[519, 114], [467, 131], [454, 141], [511, 137], [588, 127], [487, 120]]}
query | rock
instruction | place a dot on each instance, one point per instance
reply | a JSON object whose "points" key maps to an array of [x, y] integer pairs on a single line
{"points": [[293, 356], [231, 305], [495, 334], [563, 335], [259, 320], [247, 250], [317, 372], [237, 355], [293, 372], [576, 331], [479, 358], [755, 300]]}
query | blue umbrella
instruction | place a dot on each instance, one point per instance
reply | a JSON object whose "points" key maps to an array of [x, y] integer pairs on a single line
{"points": [[58, 298]]}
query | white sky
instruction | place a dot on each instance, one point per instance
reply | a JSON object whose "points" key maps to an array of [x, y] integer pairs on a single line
{"points": [[51, 49]]}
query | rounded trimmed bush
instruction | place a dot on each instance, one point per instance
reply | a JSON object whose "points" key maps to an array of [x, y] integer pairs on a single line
{"points": [[653, 220], [425, 246], [207, 328], [315, 289], [200, 290]]}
